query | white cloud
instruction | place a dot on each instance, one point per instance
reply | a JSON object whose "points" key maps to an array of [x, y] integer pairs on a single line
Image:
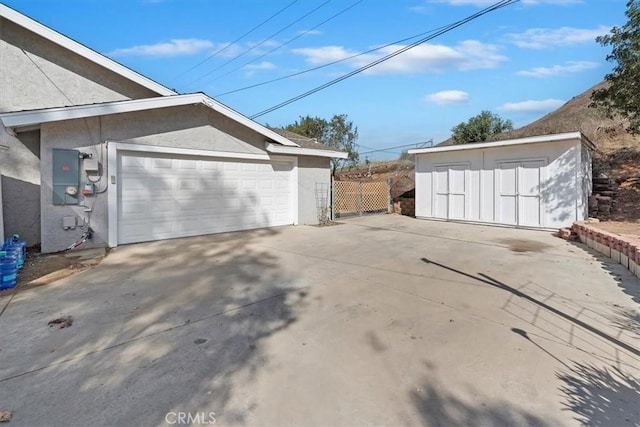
{"points": [[556, 70], [484, 3], [174, 47], [309, 32], [448, 97], [264, 65], [532, 106], [541, 38], [252, 69], [467, 55]]}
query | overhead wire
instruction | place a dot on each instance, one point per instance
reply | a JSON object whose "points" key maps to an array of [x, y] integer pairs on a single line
{"points": [[302, 34], [495, 6], [328, 64], [263, 41], [225, 47]]}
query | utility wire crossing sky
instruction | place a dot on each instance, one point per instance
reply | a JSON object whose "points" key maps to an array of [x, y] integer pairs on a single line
{"points": [[282, 59]]}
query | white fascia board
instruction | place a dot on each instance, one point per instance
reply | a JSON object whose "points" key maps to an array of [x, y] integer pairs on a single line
{"points": [[22, 119], [79, 49], [299, 151], [124, 146], [507, 142]]}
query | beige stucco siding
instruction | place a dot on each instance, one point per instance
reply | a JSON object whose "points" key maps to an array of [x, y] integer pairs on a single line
{"points": [[36, 73], [311, 171]]}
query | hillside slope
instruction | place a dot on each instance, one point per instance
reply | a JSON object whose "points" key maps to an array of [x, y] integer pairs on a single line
{"points": [[608, 134]]}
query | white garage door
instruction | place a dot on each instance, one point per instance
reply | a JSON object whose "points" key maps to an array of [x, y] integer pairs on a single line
{"points": [[167, 196]]}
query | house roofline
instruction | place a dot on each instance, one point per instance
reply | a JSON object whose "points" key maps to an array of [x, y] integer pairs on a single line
{"points": [[507, 142], [302, 151], [82, 50], [21, 120]]}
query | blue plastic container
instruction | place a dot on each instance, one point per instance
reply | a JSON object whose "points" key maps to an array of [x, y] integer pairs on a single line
{"points": [[14, 248], [8, 270], [15, 240]]}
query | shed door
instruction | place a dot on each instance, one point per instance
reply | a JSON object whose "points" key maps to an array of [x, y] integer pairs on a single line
{"points": [[165, 196], [450, 191], [518, 193]]}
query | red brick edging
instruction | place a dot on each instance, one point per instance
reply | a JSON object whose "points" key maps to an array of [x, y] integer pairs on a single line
{"points": [[622, 249]]}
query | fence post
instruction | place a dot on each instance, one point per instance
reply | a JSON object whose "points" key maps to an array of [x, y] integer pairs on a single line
{"points": [[360, 203], [333, 199], [389, 201]]}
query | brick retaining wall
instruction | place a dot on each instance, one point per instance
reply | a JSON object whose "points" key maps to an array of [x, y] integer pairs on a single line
{"points": [[622, 249]]}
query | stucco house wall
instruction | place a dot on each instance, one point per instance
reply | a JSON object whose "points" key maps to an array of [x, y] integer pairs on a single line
{"points": [[36, 73], [311, 171]]}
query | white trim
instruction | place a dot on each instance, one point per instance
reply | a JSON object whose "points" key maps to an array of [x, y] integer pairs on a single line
{"points": [[20, 119], [122, 146], [531, 140], [112, 193], [279, 149], [79, 49]]}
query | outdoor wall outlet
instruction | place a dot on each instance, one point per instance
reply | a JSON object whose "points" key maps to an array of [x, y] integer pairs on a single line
{"points": [[69, 222]]}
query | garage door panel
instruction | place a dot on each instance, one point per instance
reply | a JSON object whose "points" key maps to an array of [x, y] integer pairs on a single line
{"points": [[162, 197]]}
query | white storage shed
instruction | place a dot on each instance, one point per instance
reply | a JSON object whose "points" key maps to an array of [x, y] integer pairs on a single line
{"points": [[538, 182]]}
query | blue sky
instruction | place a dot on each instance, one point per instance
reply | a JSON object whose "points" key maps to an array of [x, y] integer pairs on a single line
{"points": [[520, 62]]}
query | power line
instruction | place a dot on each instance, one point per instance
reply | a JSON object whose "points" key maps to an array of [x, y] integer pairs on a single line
{"points": [[391, 149], [238, 39], [448, 28], [329, 63], [240, 55], [290, 40]]}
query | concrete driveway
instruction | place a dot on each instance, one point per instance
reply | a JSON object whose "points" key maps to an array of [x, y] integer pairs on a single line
{"points": [[382, 320]]}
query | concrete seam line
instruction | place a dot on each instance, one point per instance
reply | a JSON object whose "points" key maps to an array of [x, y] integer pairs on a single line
{"points": [[132, 340]]}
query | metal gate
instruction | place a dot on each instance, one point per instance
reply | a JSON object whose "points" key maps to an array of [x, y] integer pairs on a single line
{"points": [[359, 198]]}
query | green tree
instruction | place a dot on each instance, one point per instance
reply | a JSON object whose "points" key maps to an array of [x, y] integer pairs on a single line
{"points": [[338, 133], [479, 128], [622, 94]]}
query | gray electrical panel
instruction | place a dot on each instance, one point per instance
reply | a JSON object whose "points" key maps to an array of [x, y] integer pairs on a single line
{"points": [[66, 176]]}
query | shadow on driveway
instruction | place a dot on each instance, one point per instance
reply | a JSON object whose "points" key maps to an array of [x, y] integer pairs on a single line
{"points": [[159, 327]]}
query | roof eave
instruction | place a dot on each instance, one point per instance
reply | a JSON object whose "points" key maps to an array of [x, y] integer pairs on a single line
{"points": [[300, 151], [504, 143], [22, 120], [80, 49]]}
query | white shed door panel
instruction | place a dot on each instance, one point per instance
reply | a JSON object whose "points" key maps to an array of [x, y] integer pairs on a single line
{"points": [[518, 193], [529, 193], [457, 192], [441, 183], [168, 196], [508, 193]]}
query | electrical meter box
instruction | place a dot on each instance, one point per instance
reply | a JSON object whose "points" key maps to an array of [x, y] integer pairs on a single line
{"points": [[66, 176]]}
